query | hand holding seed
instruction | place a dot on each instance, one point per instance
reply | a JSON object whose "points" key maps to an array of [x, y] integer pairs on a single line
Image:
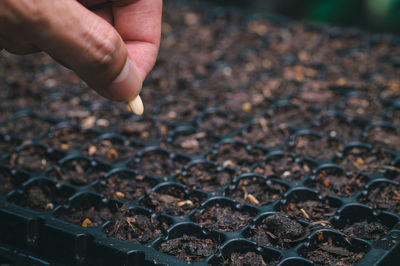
{"points": [[111, 44]]}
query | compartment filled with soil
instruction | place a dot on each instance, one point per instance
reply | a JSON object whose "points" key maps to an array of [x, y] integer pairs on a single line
{"points": [[172, 200], [205, 175], [124, 185], [41, 195], [236, 155], [77, 171], [135, 226], [284, 166], [189, 248], [256, 190], [328, 248], [334, 181], [308, 206], [382, 196], [277, 231], [159, 163], [224, 218]]}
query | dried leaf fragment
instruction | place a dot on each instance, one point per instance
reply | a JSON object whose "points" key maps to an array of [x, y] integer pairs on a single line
{"points": [[86, 222]]}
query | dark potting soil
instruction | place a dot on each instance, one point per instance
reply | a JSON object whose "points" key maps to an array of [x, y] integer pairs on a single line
{"points": [[107, 151], [382, 137], [329, 253], [136, 228], [158, 164], [383, 197], [32, 158], [284, 167], [309, 210], [41, 198], [341, 185], [223, 124], [310, 146], [189, 248], [256, 191], [278, 231], [94, 216], [221, 218], [206, 177], [367, 230], [248, 258], [171, 201], [79, 172], [337, 127], [69, 138], [191, 144], [144, 130], [9, 182], [26, 127], [265, 134], [236, 156], [124, 186], [360, 160]]}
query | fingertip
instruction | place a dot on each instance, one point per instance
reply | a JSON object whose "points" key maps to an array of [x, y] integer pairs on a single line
{"points": [[127, 84]]}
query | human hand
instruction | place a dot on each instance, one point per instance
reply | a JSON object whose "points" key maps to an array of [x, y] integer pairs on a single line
{"points": [[111, 45]]}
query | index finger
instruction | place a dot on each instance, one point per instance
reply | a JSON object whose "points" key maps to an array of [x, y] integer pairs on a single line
{"points": [[139, 25]]}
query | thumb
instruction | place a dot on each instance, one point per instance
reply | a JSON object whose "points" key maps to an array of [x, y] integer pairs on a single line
{"points": [[90, 46]]}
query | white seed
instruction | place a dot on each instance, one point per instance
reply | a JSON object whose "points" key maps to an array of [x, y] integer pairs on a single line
{"points": [[136, 105]]}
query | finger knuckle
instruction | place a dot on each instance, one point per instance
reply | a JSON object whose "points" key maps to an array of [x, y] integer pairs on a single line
{"points": [[105, 50]]}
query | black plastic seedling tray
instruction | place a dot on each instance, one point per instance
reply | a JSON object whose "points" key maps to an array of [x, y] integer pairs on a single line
{"points": [[277, 181]]}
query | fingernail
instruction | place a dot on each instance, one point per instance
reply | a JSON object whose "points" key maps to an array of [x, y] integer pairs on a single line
{"points": [[127, 84]]}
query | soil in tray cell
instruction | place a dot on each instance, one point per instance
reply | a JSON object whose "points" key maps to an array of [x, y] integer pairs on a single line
{"points": [[329, 253], [284, 167], [248, 258], [222, 124], [360, 160], [26, 127], [278, 231], [291, 115], [338, 184], [370, 230], [223, 218], [310, 146], [125, 186], [205, 177], [234, 155], [385, 197], [144, 130], [332, 126], [384, 138], [94, 216], [158, 164], [7, 146], [136, 228], [41, 198], [262, 133], [177, 111], [365, 106], [33, 159], [171, 201], [69, 138], [256, 191], [190, 248], [9, 182], [106, 150], [77, 172], [309, 210], [192, 144]]}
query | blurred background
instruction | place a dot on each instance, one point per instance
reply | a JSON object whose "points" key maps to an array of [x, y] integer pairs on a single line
{"points": [[373, 15]]}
